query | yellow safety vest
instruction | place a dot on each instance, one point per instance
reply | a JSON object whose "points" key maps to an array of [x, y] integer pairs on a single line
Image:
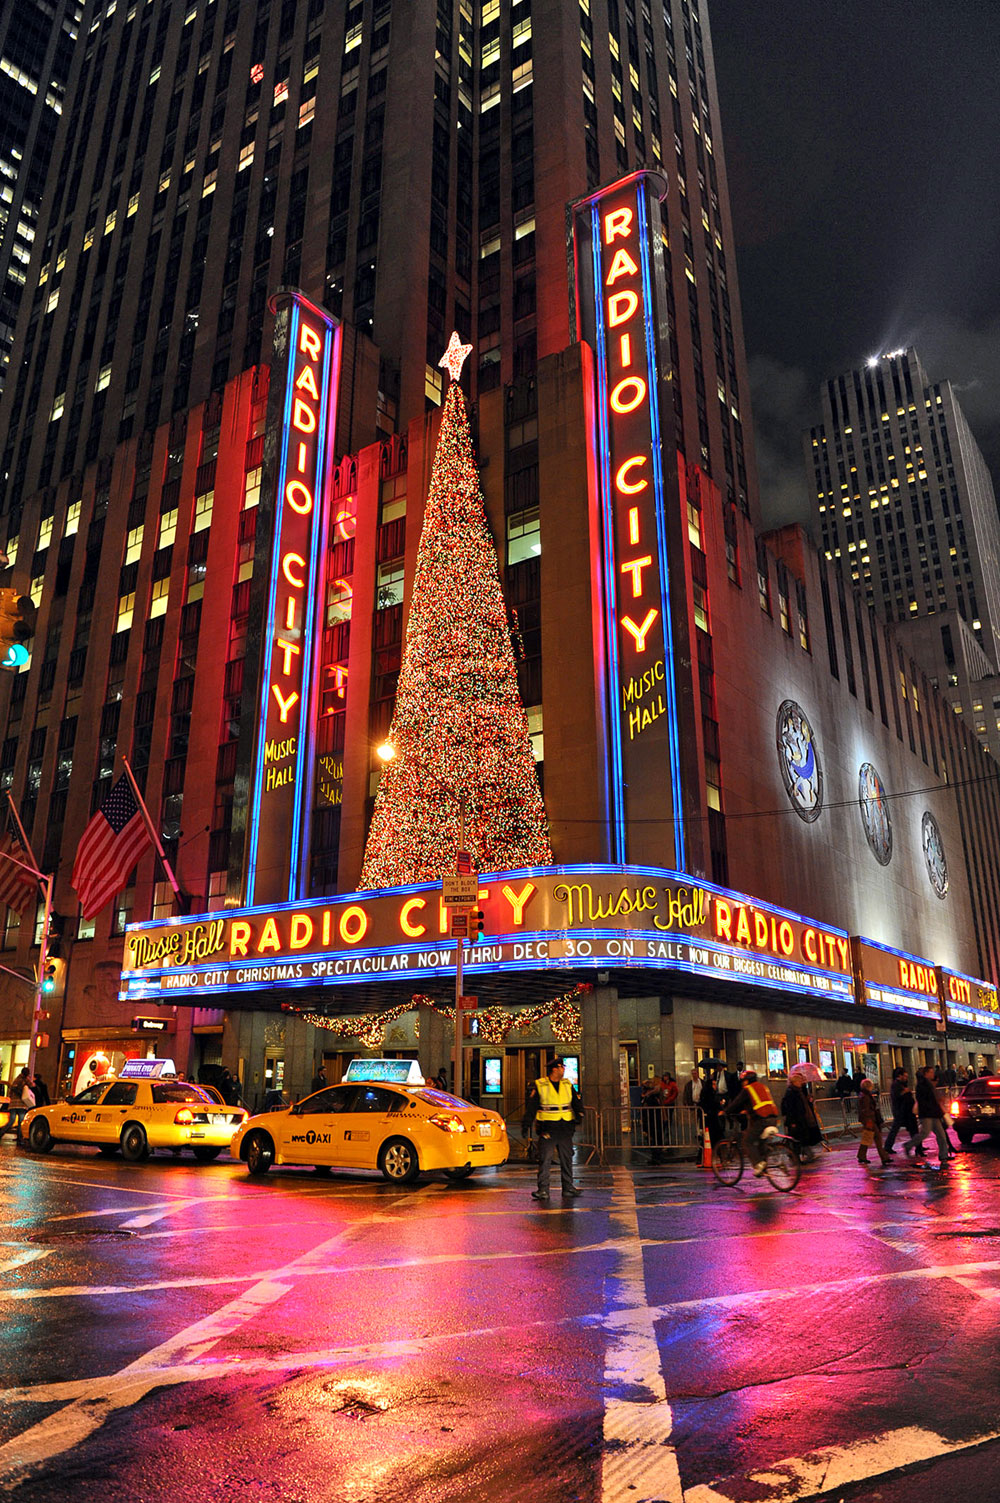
{"points": [[557, 1101]]}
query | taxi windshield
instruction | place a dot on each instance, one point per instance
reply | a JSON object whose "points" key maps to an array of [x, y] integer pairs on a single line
{"points": [[441, 1098], [178, 1091]]}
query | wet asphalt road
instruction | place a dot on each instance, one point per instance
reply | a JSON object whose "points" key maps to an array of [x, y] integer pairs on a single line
{"points": [[178, 1331]]}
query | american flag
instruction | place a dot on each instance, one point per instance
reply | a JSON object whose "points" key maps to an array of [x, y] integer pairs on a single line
{"points": [[110, 846], [17, 887]]}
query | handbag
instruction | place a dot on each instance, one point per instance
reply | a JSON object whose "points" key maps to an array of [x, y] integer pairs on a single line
{"points": [[868, 1137]]}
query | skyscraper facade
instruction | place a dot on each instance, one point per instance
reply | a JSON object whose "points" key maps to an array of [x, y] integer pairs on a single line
{"points": [[36, 47], [906, 504]]}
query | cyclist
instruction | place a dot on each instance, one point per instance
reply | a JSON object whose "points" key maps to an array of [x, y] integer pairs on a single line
{"points": [[756, 1101]]}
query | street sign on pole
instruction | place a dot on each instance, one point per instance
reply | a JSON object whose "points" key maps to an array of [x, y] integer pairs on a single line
{"points": [[460, 890], [463, 862], [467, 1003], [460, 926]]}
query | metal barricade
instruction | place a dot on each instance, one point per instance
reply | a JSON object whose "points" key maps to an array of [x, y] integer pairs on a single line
{"points": [[654, 1130]]}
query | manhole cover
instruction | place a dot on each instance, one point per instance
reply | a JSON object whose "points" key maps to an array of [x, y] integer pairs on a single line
{"points": [[80, 1234]]}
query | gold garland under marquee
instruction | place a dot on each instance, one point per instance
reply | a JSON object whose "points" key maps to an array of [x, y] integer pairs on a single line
{"points": [[495, 1023]]}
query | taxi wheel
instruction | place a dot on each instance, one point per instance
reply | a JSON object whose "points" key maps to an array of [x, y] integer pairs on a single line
{"points": [[462, 1173], [323, 1169], [40, 1139], [260, 1153], [398, 1161], [205, 1155], [135, 1148], [965, 1135]]}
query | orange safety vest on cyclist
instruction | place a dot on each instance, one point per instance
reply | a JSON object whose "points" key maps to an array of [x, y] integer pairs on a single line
{"points": [[760, 1098]]}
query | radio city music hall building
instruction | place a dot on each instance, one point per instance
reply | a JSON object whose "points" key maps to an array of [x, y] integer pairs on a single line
{"points": [[770, 836]]}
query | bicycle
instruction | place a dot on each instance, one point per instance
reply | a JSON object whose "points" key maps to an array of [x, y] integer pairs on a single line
{"points": [[781, 1159]]}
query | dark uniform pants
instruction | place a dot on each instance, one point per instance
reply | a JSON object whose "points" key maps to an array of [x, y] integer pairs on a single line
{"points": [[548, 1144]]}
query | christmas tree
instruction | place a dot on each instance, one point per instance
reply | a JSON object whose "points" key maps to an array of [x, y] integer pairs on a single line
{"points": [[459, 730]]}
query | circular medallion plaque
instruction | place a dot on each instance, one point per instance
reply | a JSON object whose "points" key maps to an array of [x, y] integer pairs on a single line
{"points": [[799, 760], [937, 865], [875, 813]]}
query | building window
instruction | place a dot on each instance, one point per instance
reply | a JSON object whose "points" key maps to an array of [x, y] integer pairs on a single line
{"points": [[123, 910], [158, 603], [163, 901], [251, 489], [45, 532], [392, 499], [694, 524], [339, 599], [126, 610], [389, 585], [72, 520], [168, 528], [523, 535], [133, 545], [203, 511], [217, 882]]}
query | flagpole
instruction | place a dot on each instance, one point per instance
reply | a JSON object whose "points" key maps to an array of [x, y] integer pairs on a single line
{"points": [[154, 837], [20, 830]]}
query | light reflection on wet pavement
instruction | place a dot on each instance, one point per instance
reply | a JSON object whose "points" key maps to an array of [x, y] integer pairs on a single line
{"points": [[179, 1331]]}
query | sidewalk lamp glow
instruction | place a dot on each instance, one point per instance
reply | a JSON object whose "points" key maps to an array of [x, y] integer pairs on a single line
{"points": [[386, 752]]}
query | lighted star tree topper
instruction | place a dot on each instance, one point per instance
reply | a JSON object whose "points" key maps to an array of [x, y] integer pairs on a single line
{"points": [[459, 728]]}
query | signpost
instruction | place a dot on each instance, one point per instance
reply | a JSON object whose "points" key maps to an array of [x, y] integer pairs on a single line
{"points": [[460, 889]]}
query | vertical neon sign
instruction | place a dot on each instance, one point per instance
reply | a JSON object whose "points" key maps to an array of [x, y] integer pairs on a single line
{"points": [[617, 311], [280, 793]]}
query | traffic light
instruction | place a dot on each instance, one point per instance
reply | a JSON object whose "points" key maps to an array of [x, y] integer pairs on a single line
{"points": [[53, 976], [17, 627], [477, 925]]}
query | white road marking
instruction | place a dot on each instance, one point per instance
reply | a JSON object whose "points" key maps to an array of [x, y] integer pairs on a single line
{"points": [[157, 1213], [829, 1467], [72, 1425], [638, 1460], [30, 1255]]}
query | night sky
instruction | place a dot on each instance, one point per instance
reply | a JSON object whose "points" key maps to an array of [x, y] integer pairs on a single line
{"points": [[862, 139]]}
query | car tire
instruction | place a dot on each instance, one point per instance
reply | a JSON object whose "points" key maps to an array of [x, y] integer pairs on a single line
{"points": [[259, 1153], [965, 1135], [462, 1173], [134, 1143], [108, 1150], [205, 1155], [40, 1140], [324, 1170], [398, 1161]]}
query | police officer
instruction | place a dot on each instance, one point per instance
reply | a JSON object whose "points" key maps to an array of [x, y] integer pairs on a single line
{"points": [[555, 1106]]}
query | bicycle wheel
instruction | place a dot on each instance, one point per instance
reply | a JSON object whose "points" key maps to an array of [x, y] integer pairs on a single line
{"points": [[727, 1161], [782, 1166]]}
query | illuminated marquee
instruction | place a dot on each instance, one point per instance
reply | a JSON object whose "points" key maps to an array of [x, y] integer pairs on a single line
{"points": [[551, 918], [892, 979], [620, 307], [283, 775], [968, 1001]]}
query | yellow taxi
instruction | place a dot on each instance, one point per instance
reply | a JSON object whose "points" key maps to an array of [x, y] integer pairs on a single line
{"points": [[381, 1116], [146, 1107]]}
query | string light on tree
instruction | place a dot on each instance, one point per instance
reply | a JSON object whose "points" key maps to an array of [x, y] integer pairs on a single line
{"points": [[459, 729]]}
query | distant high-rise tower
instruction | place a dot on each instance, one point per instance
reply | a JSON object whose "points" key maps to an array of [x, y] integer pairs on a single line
{"points": [[36, 47], [906, 503]]}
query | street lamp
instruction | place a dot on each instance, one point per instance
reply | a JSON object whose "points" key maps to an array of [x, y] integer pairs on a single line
{"points": [[386, 753]]}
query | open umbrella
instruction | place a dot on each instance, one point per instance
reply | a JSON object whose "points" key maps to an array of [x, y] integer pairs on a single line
{"points": [[806, 1070], [712, 1064]]}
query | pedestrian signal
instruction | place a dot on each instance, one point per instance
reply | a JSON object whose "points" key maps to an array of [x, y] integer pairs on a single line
{"points": [[17, 627]]}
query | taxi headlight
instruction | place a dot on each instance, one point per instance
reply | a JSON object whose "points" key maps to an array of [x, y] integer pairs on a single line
{"points": [[184, 1117], [447, 1121]]}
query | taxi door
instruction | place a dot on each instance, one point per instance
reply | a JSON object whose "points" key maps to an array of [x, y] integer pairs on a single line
{"points": [[72, 1120], [312, 1132], [367, 1125], [109, 1116]]}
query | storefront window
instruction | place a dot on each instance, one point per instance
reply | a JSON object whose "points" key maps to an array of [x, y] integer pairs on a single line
{"points": [[777, 1054]]}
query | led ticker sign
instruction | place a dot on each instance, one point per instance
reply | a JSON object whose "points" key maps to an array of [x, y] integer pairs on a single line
{"points": [[968, 1001], [620, 303], [891, 979], [284, 757], [562, 918]]}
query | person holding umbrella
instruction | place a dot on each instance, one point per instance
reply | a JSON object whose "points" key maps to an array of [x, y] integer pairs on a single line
{"points": [[798, 1109]]}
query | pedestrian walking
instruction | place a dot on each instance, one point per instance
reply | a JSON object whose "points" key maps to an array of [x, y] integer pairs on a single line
{"points": [[857, 1080], [711, 1106], [555, 1107], [41, 1090], [693, 1088], [801, 1120], [871, 1123], [756, 1101], [931, 1114], [844, 1086], [22, 1099], [652, 1117], [319, 1081], [903, 1114], [733, 1079]]}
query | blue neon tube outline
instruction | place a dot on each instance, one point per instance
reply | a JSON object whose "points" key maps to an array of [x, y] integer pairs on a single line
{"points": [[304, 762], [610, 578], [293, 329], [661, 533]]}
